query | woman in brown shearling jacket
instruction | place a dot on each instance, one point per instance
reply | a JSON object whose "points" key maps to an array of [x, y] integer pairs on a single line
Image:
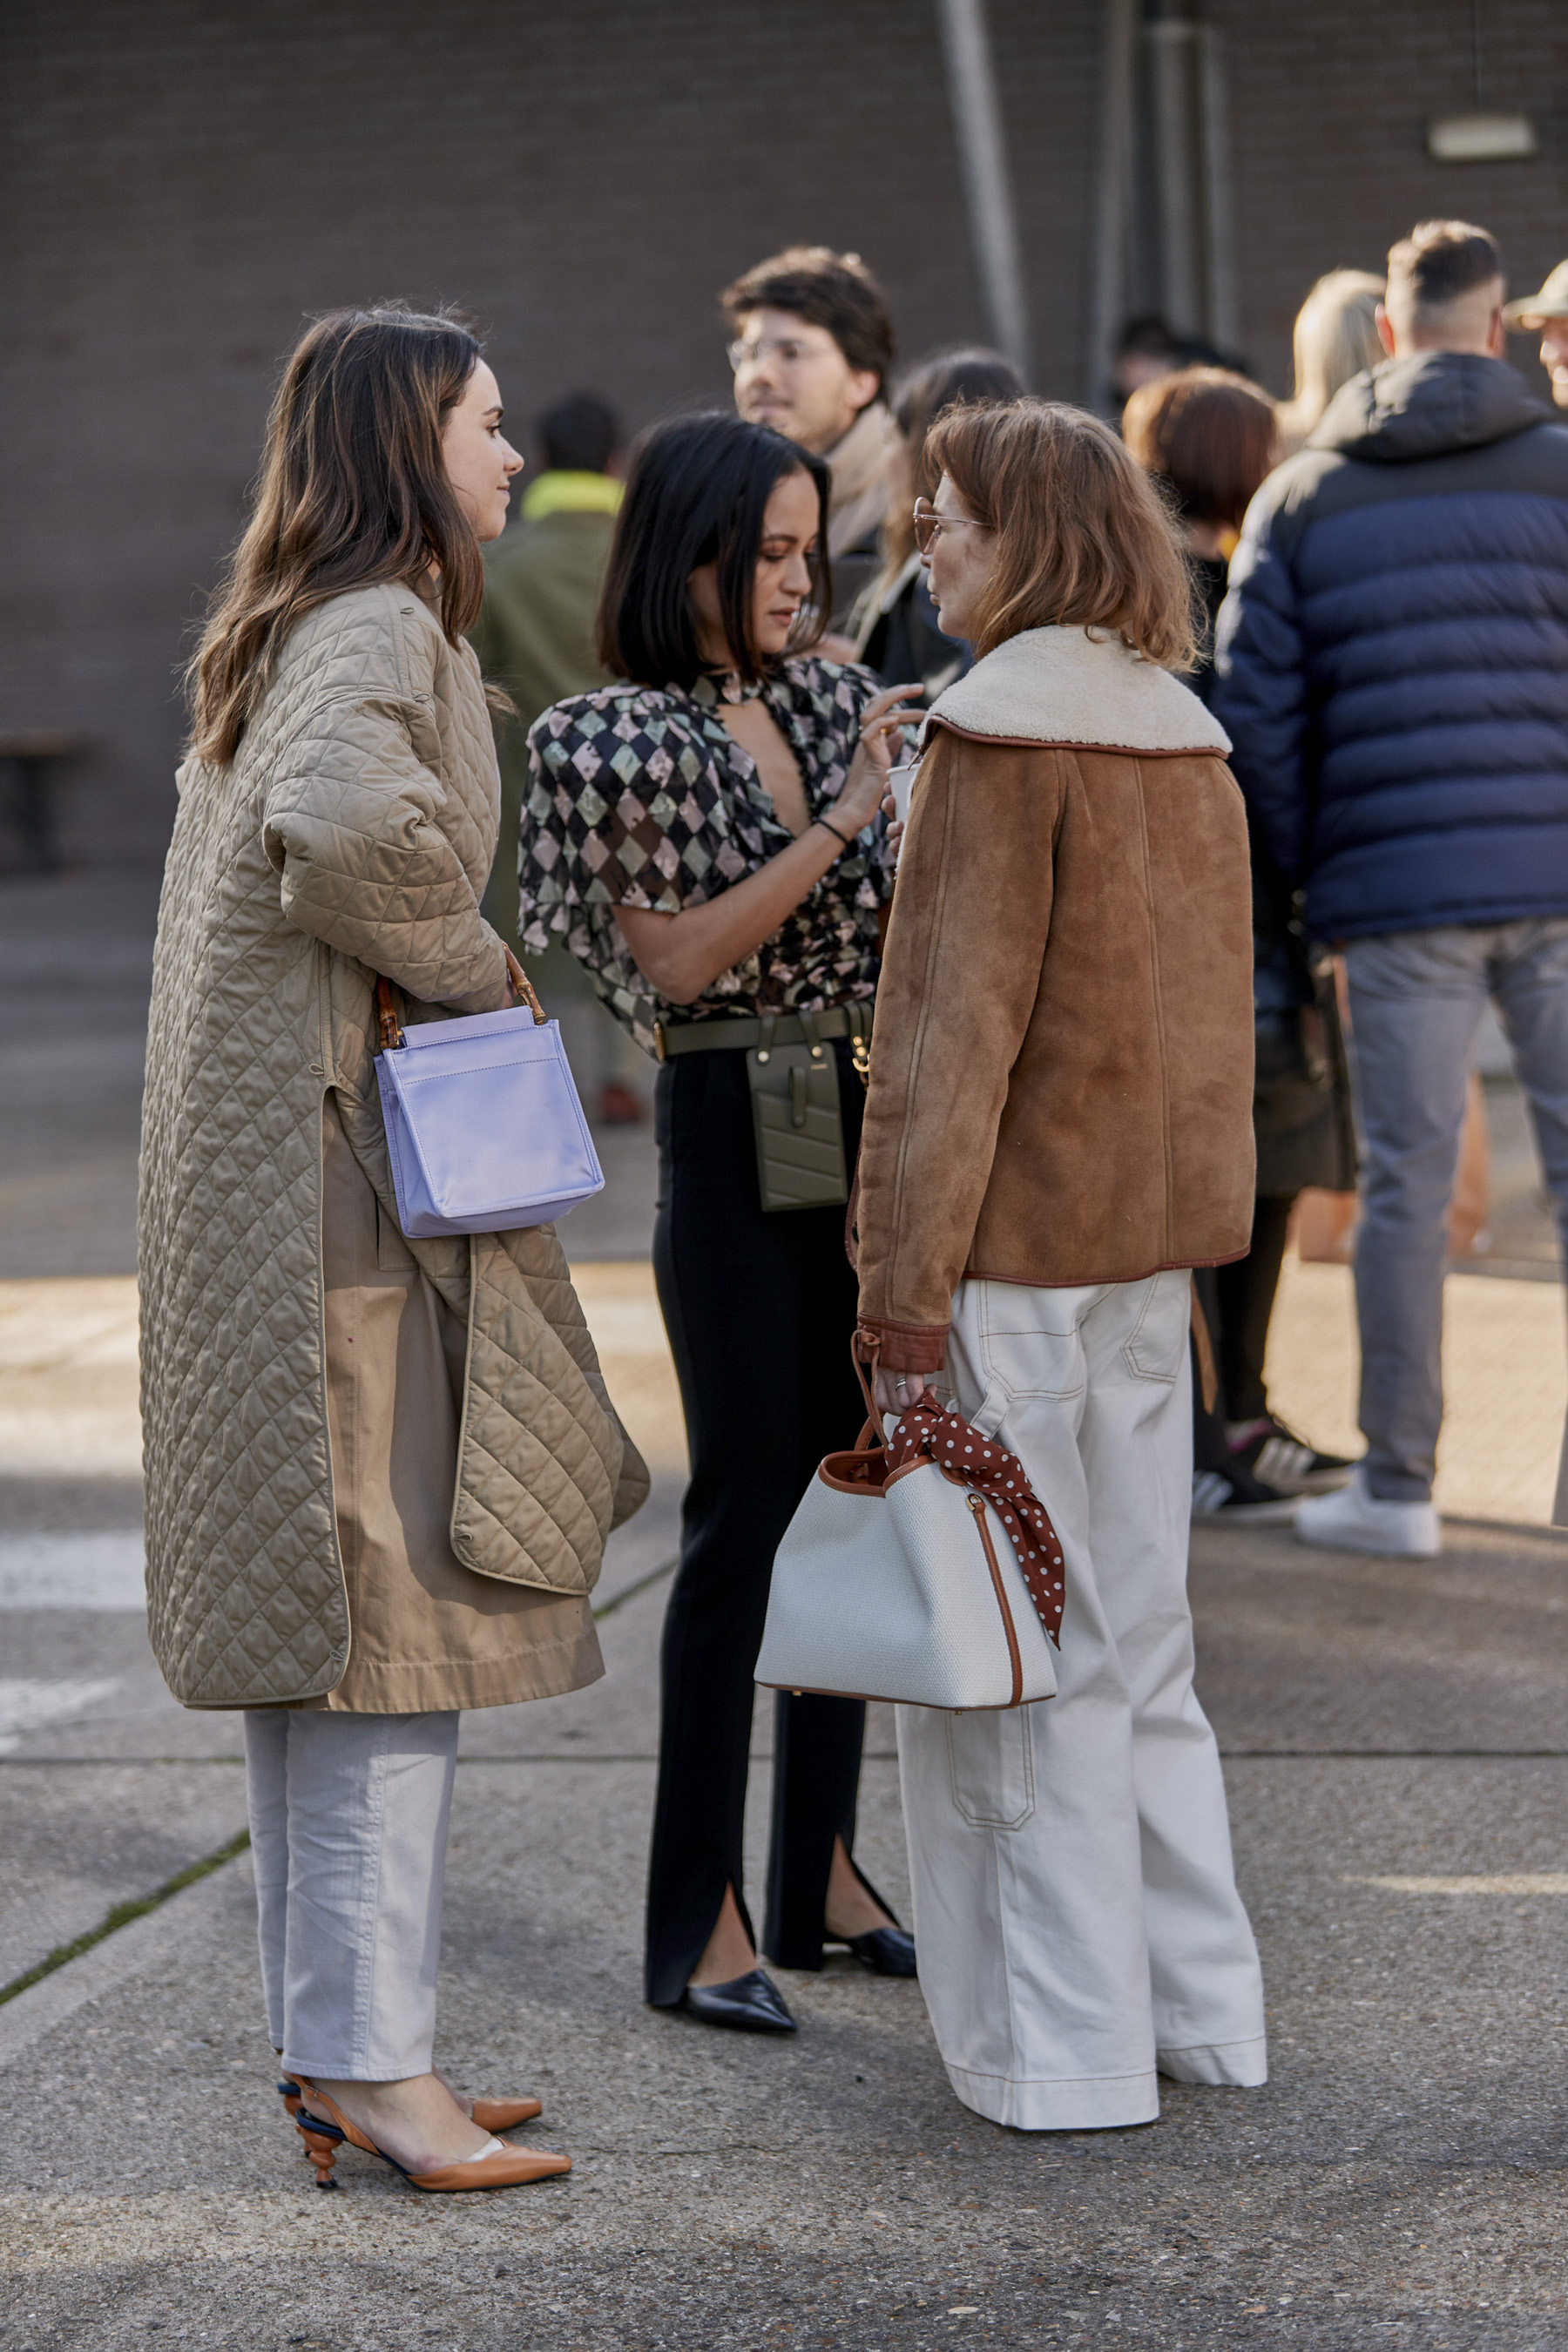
{"points": [[1059, 1127]]}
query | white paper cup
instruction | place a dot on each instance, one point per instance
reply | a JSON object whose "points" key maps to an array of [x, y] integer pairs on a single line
{"points": [[900, 782]]}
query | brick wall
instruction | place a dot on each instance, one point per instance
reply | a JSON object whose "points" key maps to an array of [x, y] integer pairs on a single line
{"points": [[184, 179], [1329, 106]]}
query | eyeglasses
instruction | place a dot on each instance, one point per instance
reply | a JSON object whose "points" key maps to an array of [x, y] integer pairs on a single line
{"points": [[930, 525], [783, 348]]}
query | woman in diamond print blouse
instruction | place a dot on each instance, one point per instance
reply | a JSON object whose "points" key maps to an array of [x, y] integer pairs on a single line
{"points": [[705, 837]]}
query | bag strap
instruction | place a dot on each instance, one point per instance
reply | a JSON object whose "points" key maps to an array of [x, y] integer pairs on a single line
{"points": [[522, 987], [388, 1024], [389, 1028], [863, 1341]]}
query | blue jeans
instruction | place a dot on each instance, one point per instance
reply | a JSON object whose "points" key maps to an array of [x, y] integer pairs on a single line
{"points": [[1416, 1000]]}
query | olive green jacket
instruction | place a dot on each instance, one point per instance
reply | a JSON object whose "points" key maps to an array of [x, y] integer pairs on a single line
{"points": [[535, 639]]}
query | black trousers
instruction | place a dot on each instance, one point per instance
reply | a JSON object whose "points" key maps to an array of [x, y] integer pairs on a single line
{"points": [[1238, 1301], [760, 1311]]}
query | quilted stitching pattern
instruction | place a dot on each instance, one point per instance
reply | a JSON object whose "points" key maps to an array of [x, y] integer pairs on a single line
{"points": [[351, 835]]}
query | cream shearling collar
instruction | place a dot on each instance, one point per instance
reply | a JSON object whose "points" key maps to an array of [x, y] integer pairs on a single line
{"points": [[1064, 686]]}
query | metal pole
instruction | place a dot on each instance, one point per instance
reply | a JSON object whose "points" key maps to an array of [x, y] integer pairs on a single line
{"points": [[1225, 291], [1108, 291], [1176, 167], [983, 162]]}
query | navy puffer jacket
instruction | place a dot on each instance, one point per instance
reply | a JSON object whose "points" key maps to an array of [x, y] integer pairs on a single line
{"points": [[1393, 655]]}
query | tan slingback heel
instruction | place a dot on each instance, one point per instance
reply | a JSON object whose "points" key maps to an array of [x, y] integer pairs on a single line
{"points": [[498, 2166]]}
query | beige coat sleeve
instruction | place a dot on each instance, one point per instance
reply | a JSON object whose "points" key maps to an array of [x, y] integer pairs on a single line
{"points": [[353, 821], [971, 916]]}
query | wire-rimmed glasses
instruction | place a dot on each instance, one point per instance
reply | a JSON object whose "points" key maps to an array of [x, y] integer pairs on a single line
{"points": [[930, 525], [787, 350]]}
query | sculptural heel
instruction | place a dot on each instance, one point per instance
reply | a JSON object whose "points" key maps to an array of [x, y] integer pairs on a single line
{"points": [[323, 2142]]}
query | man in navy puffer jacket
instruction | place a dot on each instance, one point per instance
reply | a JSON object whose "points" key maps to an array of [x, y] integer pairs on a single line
{"points": [[1393, 670]]}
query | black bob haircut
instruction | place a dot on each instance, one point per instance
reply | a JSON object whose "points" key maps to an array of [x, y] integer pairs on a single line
{"points": [[578, 434], [697, 490]]}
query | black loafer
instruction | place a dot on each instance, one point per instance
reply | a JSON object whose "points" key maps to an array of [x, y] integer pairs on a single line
{"points": [[887, 1952], [751, 2003]]}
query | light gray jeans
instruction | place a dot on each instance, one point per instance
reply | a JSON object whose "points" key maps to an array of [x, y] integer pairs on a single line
{"points": [[347, 1831], [1416, 1000]]}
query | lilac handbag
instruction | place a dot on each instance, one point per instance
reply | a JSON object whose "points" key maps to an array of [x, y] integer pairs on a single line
{"points": [[484, 1126]]}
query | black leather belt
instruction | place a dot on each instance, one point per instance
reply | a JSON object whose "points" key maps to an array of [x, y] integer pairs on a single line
{"points": [[728, 1032]]}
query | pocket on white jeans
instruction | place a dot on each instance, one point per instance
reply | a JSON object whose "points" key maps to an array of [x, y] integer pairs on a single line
{"points": [[1158, 1341], [1019, 1350], [991, 1767]]}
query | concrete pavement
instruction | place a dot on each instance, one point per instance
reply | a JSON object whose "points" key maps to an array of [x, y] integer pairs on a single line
{"points": [[1404, 2170], [1397, 1753]]}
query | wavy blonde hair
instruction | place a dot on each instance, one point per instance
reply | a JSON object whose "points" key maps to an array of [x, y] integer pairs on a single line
{"points": [[354, 490], [1083, 539]]}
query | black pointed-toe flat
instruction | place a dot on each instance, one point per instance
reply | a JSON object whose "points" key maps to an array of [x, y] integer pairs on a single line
{"points": [[751, 2005], [887, 1952]]}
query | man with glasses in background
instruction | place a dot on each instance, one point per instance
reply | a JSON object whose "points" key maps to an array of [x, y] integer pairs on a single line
{"points": [[813, 343]]}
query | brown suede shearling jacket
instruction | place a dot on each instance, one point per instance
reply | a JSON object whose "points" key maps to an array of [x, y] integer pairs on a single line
{"points": [[1061, 1075]]}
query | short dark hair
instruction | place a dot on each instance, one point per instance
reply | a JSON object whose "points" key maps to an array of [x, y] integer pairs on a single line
{"points": [[1147, 337], [1209, 435], [829, 289], [971, 376], [578, 434], [697, 490], [1438, 262]]}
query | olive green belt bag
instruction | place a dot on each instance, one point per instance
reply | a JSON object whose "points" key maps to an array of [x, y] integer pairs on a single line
{"points": [[797, 1119]]}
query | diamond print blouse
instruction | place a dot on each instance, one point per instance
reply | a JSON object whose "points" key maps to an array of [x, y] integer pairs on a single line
{"points": [[639, 796]]}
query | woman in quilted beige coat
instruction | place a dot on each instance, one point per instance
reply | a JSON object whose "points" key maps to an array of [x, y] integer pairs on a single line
{"points": [[380, 1473]]}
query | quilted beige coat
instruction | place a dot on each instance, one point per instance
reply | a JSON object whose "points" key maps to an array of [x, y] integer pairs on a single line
{"points": [[350, 836]]}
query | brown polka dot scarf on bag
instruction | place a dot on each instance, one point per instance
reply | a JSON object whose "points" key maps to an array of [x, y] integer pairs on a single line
{"points": [[925, 1430]]}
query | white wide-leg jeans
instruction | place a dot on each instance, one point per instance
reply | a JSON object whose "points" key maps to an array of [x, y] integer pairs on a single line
{"points": [[349, 1816], [1075, 1907]]}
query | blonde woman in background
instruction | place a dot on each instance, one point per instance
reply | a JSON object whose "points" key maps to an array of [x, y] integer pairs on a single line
{"points": [[1335, 338]]}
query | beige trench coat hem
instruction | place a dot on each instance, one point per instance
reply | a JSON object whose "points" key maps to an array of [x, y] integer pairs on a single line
{"points": [[542, 1670]]}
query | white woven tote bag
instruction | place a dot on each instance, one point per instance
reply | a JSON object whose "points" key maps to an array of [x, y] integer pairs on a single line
{"points": [[902, 1574]]}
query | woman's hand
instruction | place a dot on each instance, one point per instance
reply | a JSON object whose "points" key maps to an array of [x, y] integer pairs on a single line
{"points": [[895, 822], [896, 1391], [680, 955], [881, 722]]}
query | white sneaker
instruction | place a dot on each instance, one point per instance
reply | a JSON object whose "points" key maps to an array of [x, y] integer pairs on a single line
{"points": [[1353, 1520]]}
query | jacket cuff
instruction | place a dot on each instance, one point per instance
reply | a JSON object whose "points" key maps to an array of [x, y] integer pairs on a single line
{"points": [[906, 1347]]}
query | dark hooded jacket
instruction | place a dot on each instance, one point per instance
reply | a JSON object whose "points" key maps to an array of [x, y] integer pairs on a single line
{"points": [[1393, 653]]}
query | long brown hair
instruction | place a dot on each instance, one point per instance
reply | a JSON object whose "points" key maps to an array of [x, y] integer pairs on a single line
{"points": [[1082, 537], [353, 489]]}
